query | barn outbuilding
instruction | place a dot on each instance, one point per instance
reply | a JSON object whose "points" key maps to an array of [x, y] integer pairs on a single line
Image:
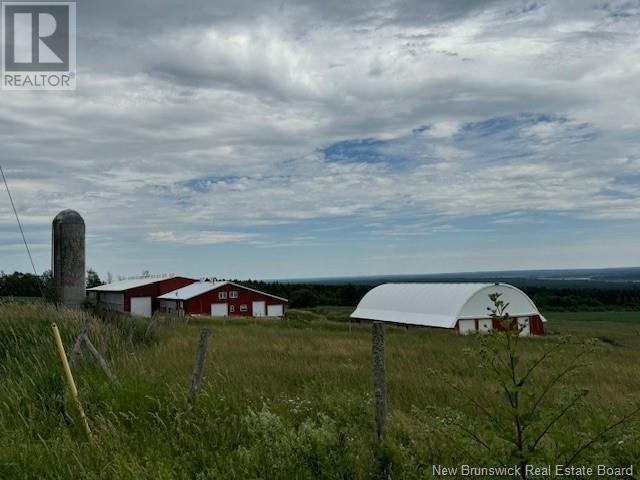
{"points": [[222, 299], [460, 306], [138, 296]]}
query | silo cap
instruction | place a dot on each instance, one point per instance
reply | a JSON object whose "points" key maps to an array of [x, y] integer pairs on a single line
{"points": [[68, 216]]}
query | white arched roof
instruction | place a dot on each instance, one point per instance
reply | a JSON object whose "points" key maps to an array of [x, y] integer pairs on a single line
{"points": [[439, 304]]}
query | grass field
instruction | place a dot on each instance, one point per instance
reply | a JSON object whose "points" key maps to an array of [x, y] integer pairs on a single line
{"points": [[281, 399]]}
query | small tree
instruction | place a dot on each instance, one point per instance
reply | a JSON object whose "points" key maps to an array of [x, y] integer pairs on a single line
{"points": [[527, 426], [304, 298], [49, 287], [93, 279]]}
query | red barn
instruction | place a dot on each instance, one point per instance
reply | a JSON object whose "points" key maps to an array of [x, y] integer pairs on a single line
{"points": [[221, 299], [464, 307], [138, 296]]}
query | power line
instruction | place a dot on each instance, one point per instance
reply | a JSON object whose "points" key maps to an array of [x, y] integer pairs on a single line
{"points": [[24, 239]]}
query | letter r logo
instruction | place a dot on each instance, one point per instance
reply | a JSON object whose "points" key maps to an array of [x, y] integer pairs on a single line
{"points": [[36, 36], [23, 37]]}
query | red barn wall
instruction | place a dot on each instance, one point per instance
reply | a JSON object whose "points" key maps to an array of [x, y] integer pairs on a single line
{"points": [[536, 327], [201, 305], [154, 290]]}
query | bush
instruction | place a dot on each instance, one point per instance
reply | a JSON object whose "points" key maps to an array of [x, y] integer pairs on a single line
{"points": [[304, 298]]}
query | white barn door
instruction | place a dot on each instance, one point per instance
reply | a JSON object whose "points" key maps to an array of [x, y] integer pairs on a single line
{"points": [[485, 325], [466, 326], [259, 309], [524, 327], [219, 309], [275, 311], [141, 306]]}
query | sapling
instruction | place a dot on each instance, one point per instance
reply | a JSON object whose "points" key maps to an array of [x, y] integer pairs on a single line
{"points": [[527, 424]]}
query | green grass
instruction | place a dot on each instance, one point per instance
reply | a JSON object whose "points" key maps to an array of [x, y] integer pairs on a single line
{"points": [[281, 399], [607, 316]]}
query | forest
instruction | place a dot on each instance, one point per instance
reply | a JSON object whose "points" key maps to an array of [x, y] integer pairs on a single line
{"points": [[622, 296]]}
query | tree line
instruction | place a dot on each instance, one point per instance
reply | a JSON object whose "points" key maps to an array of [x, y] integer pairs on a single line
{"points": [[18, 284], [625, 297], [546, 298]]}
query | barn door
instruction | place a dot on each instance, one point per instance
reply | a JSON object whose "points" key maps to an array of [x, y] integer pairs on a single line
{"points": [[141, 306], [524, 326], [275, 311], [219, 310], [259, 309], [485, 325], [466, 327]]}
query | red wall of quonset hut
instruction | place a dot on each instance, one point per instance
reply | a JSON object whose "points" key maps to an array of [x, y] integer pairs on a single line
{"points": [[201, 305], [536, 326], [154, 290]]}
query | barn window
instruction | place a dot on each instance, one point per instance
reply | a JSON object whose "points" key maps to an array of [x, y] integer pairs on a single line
{"points": [[232, 308], [233, 294], [222, 295], [243, 308]]}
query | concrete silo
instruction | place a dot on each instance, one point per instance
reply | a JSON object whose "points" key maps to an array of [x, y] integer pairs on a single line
{"points": [[67, 257]]}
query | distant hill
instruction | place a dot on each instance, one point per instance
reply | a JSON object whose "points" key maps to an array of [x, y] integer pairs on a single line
{"points": [[569, 278]]}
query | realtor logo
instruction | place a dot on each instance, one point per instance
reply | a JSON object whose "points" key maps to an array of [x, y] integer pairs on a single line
{"points": [[38, 46]]}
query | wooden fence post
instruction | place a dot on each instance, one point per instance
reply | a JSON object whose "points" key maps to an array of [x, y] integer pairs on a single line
{"points": [[151, 329], [198, 370], [99, 358], [69, 375], [76, 352], [379, 378]]}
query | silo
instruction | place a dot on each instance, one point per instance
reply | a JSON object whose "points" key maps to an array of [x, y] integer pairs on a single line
{"points": [[67, 257]]}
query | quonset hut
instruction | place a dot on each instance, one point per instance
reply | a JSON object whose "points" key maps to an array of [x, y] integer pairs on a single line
{"points": [[464, 307]]}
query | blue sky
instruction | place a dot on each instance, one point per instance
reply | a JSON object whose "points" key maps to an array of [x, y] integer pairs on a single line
{"points": [[270, 140]]}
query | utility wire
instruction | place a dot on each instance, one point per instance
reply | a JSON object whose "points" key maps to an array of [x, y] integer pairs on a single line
{"points": [[24, 239]]}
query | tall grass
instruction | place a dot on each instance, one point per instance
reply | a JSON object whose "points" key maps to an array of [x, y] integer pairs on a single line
{"points": [[280, 399]]}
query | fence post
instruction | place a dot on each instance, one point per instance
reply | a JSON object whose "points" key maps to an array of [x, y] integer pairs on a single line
{"points": [[99, 358], [69, 375], [76, 352], [198, 370], [379, 378], [151, 329]]}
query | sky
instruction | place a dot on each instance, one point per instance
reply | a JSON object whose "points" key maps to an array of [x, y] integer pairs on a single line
{"points": [[292, 139]]}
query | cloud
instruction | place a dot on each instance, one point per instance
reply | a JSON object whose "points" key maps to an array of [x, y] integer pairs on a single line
{"points": [[199, 238], [264, 117]]}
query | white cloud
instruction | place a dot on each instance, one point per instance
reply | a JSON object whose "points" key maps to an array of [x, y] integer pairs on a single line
{"points": [[245, 96], [200, 238]]}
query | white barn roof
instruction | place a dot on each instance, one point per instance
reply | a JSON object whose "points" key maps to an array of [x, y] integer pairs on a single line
{"points": [[439, 304], [190, 291], [195, 289], [123, 285]]}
